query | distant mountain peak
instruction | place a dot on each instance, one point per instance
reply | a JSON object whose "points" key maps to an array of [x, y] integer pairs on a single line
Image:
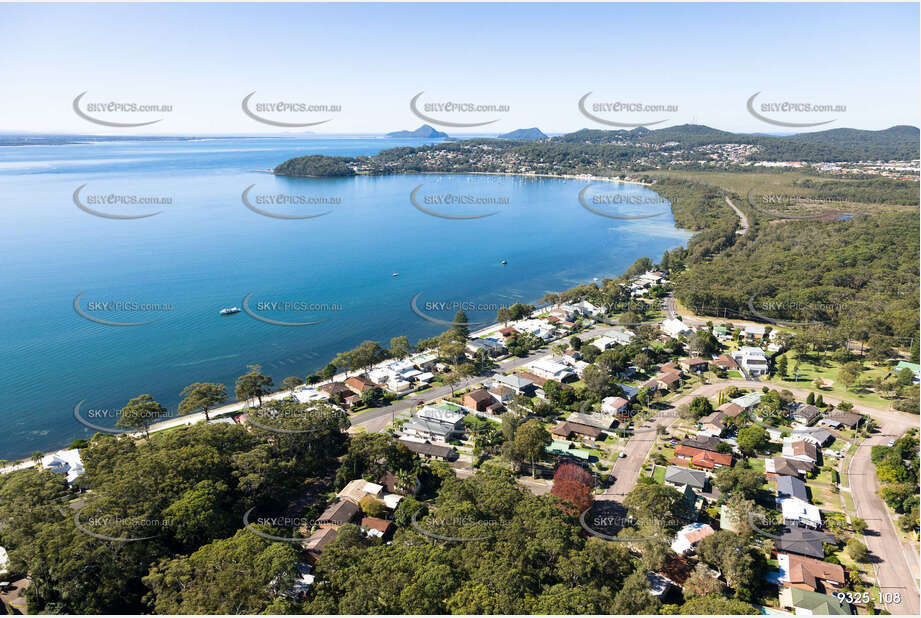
{"points": [[524, 134], [425, 131]]}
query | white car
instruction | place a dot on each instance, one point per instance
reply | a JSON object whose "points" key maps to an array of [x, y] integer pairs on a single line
{"points": [[891, 443], [622, 454]]}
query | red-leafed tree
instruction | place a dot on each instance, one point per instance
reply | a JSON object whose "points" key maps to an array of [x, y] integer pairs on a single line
{"points": [[579, 495], [572, 472]]}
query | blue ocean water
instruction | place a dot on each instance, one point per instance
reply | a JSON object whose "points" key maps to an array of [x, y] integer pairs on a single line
{"points": [[206, 250]]}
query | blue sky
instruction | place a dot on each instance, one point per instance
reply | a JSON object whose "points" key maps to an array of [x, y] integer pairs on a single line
{"points": [[538, 59]]}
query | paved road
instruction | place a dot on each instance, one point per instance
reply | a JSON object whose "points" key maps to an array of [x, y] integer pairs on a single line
{"points": [[377, 419], [742, 216], [895, 564]]}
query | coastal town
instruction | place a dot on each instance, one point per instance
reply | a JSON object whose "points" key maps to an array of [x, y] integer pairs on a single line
{"points": [[689, 430]]}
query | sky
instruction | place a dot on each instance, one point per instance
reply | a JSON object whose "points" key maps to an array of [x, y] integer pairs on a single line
{"points": [[703, 60]]}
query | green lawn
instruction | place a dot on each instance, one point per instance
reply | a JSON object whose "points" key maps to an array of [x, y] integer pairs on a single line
{"points": [[659, 475], [809, 372]]}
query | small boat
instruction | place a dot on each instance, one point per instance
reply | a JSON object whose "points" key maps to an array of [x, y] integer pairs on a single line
{"points": [[395, 275], [504, 262], [230, 310]]}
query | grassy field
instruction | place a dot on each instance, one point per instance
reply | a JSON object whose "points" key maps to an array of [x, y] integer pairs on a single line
{"points": [[808, 373]]}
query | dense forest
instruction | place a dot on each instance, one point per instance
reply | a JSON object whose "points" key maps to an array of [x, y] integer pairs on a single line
{"points": [[860, 274], [184, 492], [318, 166]]}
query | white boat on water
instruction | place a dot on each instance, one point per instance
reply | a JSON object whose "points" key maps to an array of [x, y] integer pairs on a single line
{"points": [[230, 310]]}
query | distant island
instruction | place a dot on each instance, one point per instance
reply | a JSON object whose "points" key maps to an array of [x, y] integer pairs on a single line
{"points": [[425, 131], [524, 134]]}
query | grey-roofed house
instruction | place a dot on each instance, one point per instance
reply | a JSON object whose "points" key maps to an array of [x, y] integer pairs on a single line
{"points": [[520, 385], [431, 451], [677, 476], [817, 436], [630, 392], [806, 414], [338, 514], [592, 420], [704, 443], [791, 487], [803, 541], [848, 419]]}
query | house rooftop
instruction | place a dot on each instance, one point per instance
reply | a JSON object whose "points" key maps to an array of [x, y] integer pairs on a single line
{"points": [[685, 476]]}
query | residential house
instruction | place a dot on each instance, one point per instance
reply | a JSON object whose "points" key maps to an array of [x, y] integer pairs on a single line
{"points": [[675, 328], [317, 541], [689, 536], [67, 462], [534, 378], [677, 476], [810, 574], [376, 527], [816, 435], [851, 420], [508, 332], [519, 384], [802, 541], [630, 392], [791, 487], [622, 337], [566, 429], [435, 424], [359, 384], [668, 381], [338, 514], [431, 451], [754, 332], [781, 466], [359, 488], [491, 347], [725, 362], [501, 392], [339, 393], [616, 406], [800, 450], [702, 459], [600, 421], [805, 413], [730, 409], [694, 364], [604, 343], [424, 361], [749, 401], [809, 603], [307, 394], [552, 370], [482, 401], [713, 423], [798, 513], [585, 308], [752, 360]]}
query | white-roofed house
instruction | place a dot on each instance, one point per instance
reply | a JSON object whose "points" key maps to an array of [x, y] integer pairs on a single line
{"points": [[674, 328], [751, 359], [551, 370], [66, 462]]}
